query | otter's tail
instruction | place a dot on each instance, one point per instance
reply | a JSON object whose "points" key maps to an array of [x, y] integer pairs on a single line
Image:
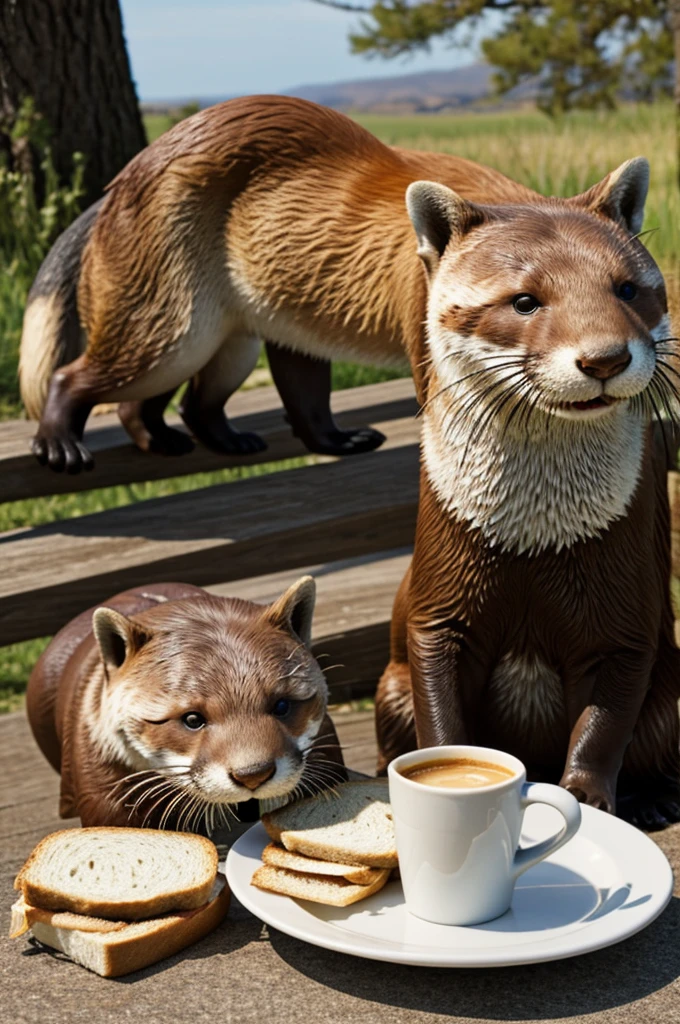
{"points": [[51, 335]]}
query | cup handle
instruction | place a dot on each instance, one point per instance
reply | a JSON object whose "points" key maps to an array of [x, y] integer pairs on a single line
{"points": [[569, 808]]}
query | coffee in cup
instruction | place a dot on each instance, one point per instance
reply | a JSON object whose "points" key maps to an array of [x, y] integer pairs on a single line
{"points": [[458, 773]]}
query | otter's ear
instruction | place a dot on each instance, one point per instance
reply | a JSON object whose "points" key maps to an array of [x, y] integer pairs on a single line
{"points": [[117, 637], [294, 610], [438, 214], [621, 195]]}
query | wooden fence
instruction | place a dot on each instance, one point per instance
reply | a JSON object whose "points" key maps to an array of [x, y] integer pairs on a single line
{"points": [[349, 522]]}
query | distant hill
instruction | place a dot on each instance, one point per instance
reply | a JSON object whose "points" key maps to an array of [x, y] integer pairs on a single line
{"points": [[427, 91]]}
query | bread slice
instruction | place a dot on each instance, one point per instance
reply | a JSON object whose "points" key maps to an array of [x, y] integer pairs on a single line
{"points": [[123, 947], [124, 874], [334, 892], [279, 857], [351, 825]]}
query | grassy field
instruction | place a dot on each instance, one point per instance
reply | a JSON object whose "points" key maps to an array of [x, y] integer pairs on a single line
{"points": [[554, 157]]}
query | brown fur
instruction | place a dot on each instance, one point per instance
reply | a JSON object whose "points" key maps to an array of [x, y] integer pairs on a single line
{"points": [[308, 205], [106, 709]]}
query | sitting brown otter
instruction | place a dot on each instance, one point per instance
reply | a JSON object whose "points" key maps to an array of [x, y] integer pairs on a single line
{"points": [[169, 706], [536, 616]]}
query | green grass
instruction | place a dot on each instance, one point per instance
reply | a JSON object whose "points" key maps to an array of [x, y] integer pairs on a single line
{"points": [[27, 231], [16, 663], [554, 157], [156, 124], [561, 157]]}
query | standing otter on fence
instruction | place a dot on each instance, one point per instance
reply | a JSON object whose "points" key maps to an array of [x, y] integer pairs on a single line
{"points": [[169, 706], [263, 217], [536, 615]]}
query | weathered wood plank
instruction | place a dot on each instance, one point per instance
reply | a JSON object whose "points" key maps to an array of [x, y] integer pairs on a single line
{"points": [[351, 627], [231, 531], [118, 461], [351, 620], [351, 593]]}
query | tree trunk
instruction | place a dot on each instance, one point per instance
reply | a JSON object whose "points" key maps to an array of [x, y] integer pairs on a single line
{"points": [[69, 57], [675, 29]]}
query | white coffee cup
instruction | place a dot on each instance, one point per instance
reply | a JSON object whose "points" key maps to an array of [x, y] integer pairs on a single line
{"points": [[458, 847]]}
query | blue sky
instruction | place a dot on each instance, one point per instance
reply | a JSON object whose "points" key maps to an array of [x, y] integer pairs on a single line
{"points": [[231, 47]]}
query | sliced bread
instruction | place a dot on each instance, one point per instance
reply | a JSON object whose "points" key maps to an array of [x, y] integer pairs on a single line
{"points": [[122, 947], [334, 892], [279, 857], [124, 874], [351, 825]]}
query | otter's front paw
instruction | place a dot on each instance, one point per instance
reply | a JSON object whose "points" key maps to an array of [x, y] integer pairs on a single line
{"points": [[342, 442], [64, 452], [217, 435], [171, 442], [650, 807], [590, 788]]}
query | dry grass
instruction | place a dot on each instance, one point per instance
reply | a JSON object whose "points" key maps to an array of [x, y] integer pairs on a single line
{"points": [[563, 157]]}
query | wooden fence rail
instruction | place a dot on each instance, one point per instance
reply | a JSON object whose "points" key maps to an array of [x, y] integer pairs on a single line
{"points": [[348, 521]]}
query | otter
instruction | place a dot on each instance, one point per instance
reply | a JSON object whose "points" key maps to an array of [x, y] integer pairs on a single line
{"points": [[263, 217], [536, 614], [168, 707]]}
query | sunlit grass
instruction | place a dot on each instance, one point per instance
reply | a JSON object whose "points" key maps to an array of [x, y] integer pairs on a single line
{"points": [[561, 157], [16, 664]]}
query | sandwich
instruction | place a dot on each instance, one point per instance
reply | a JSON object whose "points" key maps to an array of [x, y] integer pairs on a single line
{"points": [[119, 899], [336, 848]]}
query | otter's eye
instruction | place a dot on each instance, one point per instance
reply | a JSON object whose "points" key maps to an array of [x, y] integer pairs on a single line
{"points": [[193, 720], [281, 708], [525, 304], [626, 291]]}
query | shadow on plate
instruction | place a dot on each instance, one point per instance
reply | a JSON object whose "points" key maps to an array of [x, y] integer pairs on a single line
{"points": [[572, 899]]}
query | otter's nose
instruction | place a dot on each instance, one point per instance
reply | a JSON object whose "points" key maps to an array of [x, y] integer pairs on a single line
{"points": [[606, 364], [253, 775]]}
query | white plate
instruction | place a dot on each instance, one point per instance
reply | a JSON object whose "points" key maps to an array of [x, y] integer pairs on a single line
{"points": [[606, 884]]}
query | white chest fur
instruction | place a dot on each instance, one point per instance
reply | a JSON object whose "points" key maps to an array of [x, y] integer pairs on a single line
{"points": [[546, 484]]}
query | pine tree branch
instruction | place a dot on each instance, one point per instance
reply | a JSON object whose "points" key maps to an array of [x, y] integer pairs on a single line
{"points": [[344, 7], [492, 5]]}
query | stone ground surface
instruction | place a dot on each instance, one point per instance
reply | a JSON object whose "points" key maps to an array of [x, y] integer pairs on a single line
{"points": [[246, 973]]}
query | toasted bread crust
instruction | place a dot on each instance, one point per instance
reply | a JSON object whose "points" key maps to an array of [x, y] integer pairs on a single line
{"points": [[39, 895], [296, 842], [122, 952], [301, 840], [331, 891], [278, 857]]}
